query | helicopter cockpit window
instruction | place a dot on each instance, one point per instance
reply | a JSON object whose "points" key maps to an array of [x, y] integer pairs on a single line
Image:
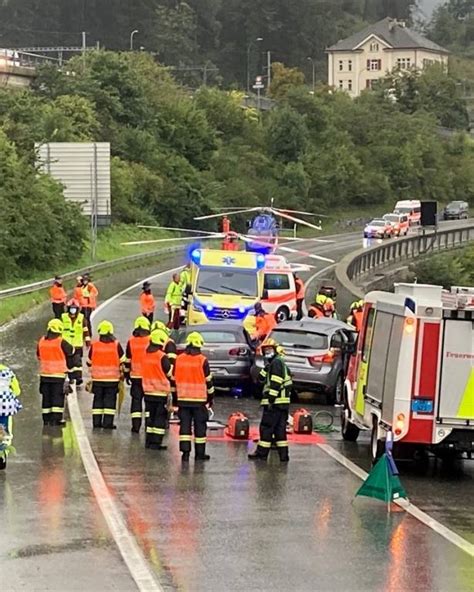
{"points": [[229, 282]]}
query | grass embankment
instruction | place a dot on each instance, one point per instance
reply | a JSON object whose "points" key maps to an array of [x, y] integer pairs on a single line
{"points": [[109, 248]]}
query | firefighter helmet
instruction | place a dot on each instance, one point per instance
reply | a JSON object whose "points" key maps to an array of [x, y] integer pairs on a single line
{"points": [[142, 323], [158, 337], [105, 328], [55, 326], [195, 339]]}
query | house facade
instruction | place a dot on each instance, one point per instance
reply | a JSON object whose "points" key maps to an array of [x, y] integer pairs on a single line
{"points": [[355, 63]]}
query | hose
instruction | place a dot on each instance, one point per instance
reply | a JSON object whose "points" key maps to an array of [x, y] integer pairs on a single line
{"points": [[323, 422]]}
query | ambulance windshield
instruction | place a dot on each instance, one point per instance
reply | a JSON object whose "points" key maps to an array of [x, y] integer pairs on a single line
{"points": [[230, 283]]}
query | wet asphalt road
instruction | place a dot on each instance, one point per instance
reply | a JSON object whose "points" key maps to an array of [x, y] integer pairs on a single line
{"points": [[227, 525]]}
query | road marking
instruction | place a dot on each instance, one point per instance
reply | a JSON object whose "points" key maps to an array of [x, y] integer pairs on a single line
{"points": [[410, 508]]}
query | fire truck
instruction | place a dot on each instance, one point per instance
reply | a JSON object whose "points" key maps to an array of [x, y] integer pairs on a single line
{"points": [[413, 371]]}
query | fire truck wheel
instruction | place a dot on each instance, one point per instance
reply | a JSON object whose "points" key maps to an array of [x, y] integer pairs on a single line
{"points": [[350, 432], [376, 445]]}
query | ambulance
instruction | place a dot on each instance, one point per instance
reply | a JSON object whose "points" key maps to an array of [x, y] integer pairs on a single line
{"points": [[410, 208], [225, 285], [413, 371], [279, 290]]}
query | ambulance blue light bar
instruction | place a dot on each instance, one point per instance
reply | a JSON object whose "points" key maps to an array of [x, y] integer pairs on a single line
{"points": [[196, 256]]}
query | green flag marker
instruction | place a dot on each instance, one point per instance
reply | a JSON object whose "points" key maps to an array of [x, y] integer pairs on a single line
{"points": [[382, 484]]}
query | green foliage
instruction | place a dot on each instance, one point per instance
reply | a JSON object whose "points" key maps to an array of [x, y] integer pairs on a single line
{"points": [[447, 269], [287, 135], [284, 79]]}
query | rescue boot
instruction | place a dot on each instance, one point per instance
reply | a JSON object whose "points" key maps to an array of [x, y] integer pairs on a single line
{"points": [[156, 446], [185, 457], [202, 457], [256, 456]]}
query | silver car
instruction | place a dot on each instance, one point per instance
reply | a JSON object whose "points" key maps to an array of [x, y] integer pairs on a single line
{"points": [[317, 353], [229, 349]]}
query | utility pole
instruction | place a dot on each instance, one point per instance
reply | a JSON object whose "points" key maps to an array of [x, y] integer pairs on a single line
{"points": [[269, 70], [132, 35], [313, 64], [84, 48]]}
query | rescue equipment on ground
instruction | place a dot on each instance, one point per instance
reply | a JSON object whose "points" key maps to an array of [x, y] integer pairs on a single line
{"points": [[238, 426], [302, 422]]}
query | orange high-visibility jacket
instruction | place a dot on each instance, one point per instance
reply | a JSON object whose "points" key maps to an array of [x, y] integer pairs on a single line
{"points": [[136, 348], [52, 358], [155, 378], [105, 361], [300, 289], [147, 303], [57, 295], [191, 381]]}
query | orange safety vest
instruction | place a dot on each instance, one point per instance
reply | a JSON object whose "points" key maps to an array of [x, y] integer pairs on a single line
{"points": [[57, 294], [191, 386], [52, 358], [138, 347], [317, 312], [154, 380], [264, 324], [147, 303], [357, 316], [300, 289], [105, 361], [89, 295]]}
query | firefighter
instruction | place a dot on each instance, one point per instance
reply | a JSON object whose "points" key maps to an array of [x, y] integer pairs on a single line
{"points": [[157, 386], [105, 360], [75, 332], [58, 297], [356, 314], [88, 300], [9, 406], [170, 345], [264, 322], [317, 309], [52, 352], [135, 353], [277, 385], [147, 302], [193, 396], [173, 300], [330, 308], [300, 294]]}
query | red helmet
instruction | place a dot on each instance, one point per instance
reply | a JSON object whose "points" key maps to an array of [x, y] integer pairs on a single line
{"points": [[73, 303]]}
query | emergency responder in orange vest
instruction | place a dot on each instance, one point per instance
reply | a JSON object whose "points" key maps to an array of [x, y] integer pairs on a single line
{"points": [[157, 386], [135, 353], [173, 301], [147, 302], [75, 332], [300, 293], [277, 386], [264, 322], [77, 293], [9, 406], [58, 297], [52, 351], [105, 359], [170, 345], [356, 314], [317, 310], [89, 294], [193, 395]]}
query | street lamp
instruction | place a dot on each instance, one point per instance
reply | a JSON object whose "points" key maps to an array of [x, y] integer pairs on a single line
{"points": [[313, 64], [132, 35], [249, 47]]}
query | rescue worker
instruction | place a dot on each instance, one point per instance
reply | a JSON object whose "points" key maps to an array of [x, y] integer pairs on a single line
{"points": [[193, 396], [356, 315], [157, 386], [185, 282], [58, 297], [277, 385], [105, 360], [52, 352], [330, 308], [300, 294], [75, 332], [170, 345], [147, 302], [135, 353], [173, 299], [264, 322], [9, 406], [88, 300], [77, 293], [317, 309]]}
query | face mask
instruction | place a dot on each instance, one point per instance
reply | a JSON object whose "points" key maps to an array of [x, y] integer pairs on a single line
{"points": [[268, 355], [73, 311]]}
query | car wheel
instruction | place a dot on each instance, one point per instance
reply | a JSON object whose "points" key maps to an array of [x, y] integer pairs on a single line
{"points": [[376, 445], [350, 432], [335, 395], [282, 314]]}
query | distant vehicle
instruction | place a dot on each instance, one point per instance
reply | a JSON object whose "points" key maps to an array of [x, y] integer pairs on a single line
{"points": [[378, 229], [317, 353], [410, 207], [228, 348], [456, 210], [400, 223]]}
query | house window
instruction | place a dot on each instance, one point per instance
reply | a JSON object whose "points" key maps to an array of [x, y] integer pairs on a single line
{"points": [[369, 83], [349, 85], [349, 65], [427, 62], [373, 65], [404, 63], [341, 84], [374, 47], [341, 65]]}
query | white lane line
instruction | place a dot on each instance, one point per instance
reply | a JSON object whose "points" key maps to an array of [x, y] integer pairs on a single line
{"points": [[124, 539], [410, 508]]}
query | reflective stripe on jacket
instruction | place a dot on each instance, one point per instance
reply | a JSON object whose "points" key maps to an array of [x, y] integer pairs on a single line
{"points": [[154, 379], [191, 382], [74, 329], [277, 383], [105, 361], [52, 357]]}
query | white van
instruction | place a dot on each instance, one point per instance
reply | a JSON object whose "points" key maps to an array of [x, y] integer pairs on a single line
{"points": [[279, 290], [410, 207]]}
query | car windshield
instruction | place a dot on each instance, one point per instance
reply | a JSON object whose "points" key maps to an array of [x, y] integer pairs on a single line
{"points": [[392, 218], [217, 281], [300, 339], [454, 205], [377, 223]]}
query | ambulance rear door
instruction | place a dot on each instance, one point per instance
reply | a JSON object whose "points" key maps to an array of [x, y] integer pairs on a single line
{"points": [[456, 389]]}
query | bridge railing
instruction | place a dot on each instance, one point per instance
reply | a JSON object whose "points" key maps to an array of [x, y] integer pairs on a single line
{"points": [[366, 261]]}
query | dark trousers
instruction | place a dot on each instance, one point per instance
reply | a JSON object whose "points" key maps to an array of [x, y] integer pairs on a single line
{"points": [[104, 404], [58, 309], [299, 309], [193, 419], [52, 401], [273, 428], [174, 318], [157, 415], [136, 406], [74, 366], [87, 311], [148, 316]]}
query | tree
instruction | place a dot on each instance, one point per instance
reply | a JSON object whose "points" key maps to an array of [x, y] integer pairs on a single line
{"points": [[287, 135], [284, 79]]}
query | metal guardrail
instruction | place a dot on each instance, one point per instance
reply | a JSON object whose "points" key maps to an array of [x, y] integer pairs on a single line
{"points": [[44, 284], [364, 261]]}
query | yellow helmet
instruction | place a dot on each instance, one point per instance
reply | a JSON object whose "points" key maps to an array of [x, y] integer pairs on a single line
{"points": [[158, 337], [142, 323], [161, 326], [195, 339], [55, 326], [105, 328], [321, 299], [269, 342]]}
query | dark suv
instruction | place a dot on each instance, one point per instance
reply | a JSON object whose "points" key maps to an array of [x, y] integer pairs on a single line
{"points": [[456, 210]]}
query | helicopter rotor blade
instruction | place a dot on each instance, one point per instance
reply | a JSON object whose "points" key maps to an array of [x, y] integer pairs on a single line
{"points": [[165, 240], [303, 213], [194, 230], [304, 240], [297, 220], [207, 217], [310, 255]]}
